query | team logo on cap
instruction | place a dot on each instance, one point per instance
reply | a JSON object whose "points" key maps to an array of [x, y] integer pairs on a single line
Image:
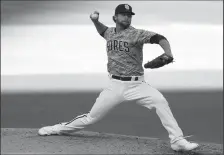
{"points": [[126, 6]]}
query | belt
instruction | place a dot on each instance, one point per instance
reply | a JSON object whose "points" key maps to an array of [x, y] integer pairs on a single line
{"points": [[125, 78]]}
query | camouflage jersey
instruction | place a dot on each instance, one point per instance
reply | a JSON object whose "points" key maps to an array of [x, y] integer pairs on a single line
{"points": [[124, 50]]}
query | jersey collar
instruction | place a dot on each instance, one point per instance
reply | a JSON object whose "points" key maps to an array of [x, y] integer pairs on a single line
{"points": [[130, 27]]}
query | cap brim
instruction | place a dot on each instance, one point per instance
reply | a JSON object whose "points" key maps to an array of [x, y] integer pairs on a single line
{"points": [[132, 13]]}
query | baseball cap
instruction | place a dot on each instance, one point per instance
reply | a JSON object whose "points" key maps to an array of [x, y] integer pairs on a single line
{"points": [[124, 8]]}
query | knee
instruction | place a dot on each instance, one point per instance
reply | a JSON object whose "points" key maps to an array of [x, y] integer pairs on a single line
{"points": [[160, 99], [153, 102]]}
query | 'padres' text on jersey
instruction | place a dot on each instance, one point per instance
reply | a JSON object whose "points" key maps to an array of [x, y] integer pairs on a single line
{"points": [[124, 50]]}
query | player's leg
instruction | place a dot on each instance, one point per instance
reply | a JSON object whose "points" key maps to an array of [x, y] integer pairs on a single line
{"points": [[107, 100], [150, 97]]}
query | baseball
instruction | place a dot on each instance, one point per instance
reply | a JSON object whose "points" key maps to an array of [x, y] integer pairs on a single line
{"points": [[94, 16]]}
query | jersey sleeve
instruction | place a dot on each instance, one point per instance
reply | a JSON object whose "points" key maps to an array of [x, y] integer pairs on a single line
{"points": [[145, 36], [106, 33]]}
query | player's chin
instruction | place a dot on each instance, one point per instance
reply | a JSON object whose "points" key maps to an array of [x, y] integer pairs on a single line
{"points": [[126, 24]]}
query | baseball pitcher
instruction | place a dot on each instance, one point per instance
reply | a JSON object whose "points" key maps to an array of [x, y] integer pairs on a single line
{"points": [[124, 45]]}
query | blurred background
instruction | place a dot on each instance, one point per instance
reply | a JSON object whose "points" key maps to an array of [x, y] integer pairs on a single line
{"points": [[53, 65]]}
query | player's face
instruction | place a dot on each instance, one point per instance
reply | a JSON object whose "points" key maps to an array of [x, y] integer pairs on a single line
{"points": [[124, 19]]}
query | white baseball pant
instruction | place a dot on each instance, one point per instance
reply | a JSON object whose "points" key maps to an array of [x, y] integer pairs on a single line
{"points": [[118, 91]]}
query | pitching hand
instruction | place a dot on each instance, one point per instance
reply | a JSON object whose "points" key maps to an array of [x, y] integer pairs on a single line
{"points": [[94, 16]]}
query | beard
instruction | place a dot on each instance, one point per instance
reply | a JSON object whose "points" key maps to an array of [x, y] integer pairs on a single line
{"points": [[125, 24]]}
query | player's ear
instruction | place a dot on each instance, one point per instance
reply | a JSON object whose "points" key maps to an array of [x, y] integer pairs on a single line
{"points": [[114, 18]]}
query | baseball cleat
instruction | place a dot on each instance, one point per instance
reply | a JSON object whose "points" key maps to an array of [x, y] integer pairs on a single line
{"points": [[51, 130], [183, 145]]}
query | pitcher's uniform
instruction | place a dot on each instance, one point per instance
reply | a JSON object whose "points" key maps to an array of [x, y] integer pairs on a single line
{"points": [[126, 82], [126, 74]]}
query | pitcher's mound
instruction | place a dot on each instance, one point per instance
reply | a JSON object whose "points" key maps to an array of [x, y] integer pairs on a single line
{"points": [[27, 141]]}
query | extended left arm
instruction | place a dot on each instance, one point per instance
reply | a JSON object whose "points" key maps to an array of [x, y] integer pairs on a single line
{"points": [[163, 42], [166, 47], [163, 59]]}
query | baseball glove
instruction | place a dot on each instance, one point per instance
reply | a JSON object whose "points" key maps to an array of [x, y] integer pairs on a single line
{"points": [[159, 61]]}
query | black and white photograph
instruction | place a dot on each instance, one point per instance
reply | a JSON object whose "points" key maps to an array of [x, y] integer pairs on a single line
{"points": [[112, 77]]}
